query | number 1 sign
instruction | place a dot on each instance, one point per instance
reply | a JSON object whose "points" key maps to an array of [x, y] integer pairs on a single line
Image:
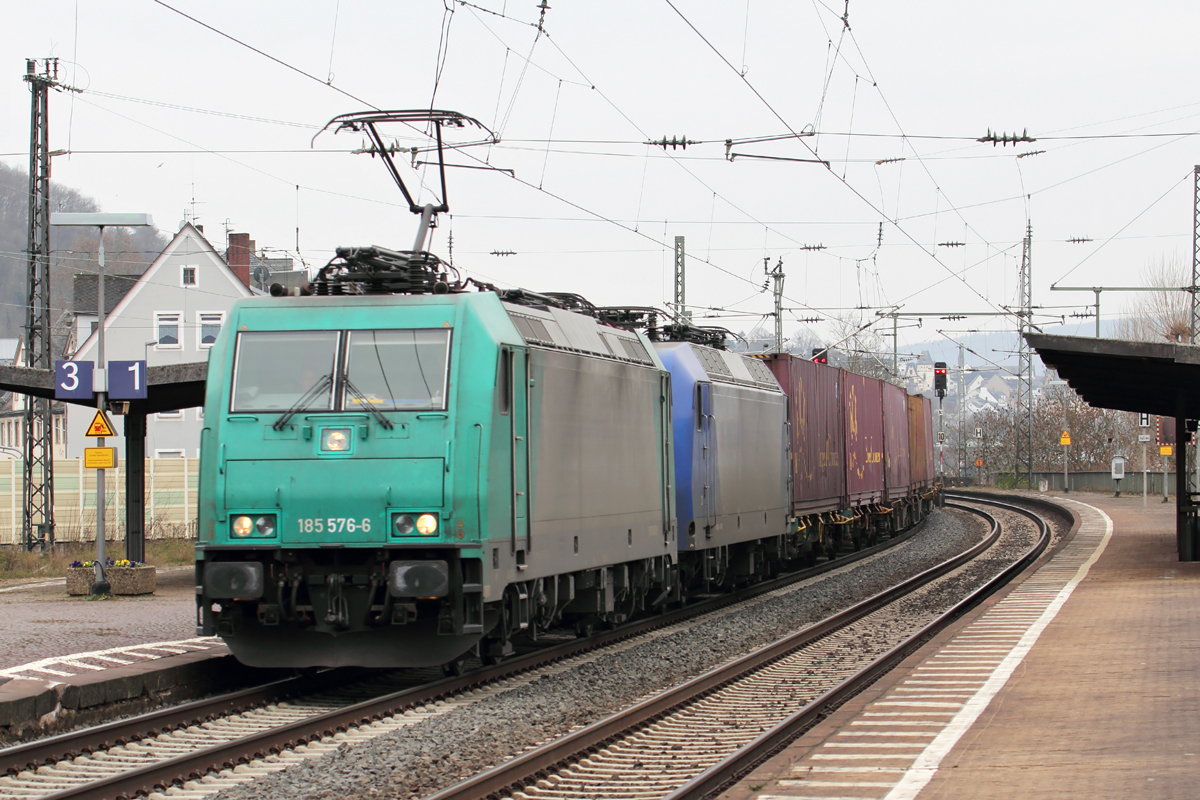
{"points": [[127, 380]]}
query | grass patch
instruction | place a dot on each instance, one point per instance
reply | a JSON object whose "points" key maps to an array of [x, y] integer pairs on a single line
{"points": [[17, 564]]}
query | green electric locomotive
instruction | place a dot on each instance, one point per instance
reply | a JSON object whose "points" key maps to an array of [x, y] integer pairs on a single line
{"points": [[387, 480]]}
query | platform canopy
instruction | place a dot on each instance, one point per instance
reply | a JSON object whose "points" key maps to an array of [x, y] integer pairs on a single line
{"points": [[1147, 377]]}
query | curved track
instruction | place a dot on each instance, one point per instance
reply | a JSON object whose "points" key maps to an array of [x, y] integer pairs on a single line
{"points": [[174, 745], [689, 741]]}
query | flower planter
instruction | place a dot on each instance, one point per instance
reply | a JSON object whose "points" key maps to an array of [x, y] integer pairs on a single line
{"points": [[123, 580]]}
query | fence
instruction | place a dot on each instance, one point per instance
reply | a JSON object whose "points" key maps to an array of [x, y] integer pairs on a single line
{"points": [[171, 504], [1131, 484]]}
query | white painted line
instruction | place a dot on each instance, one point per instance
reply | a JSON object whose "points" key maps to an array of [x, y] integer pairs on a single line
{"points": [[20, 586], [72, 660], [926, 765]]}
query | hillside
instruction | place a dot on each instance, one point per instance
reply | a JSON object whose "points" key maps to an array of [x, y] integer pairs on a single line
{"points": [[71, 249]]}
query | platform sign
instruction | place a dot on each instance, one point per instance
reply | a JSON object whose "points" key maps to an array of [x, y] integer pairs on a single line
{"points": [[978, 432], [100, 457], [73, 380], [127, 380], [100, 427], [1065, 439], [1143, 420]]}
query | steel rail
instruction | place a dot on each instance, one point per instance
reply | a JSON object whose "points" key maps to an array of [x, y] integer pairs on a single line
{"points": [[746, 758], [519, 772], [194, 765]]}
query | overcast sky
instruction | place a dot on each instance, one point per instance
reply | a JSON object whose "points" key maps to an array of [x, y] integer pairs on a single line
{"points": [[176, 118]]}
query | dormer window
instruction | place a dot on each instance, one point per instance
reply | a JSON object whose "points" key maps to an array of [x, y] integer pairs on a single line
{"points": [[189, 276]]}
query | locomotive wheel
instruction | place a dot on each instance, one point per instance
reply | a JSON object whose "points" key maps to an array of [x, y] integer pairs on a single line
{"points": [[453, 669]]}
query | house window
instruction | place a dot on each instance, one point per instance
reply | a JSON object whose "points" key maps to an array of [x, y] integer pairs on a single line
{"points": [[170, 415], [168, 454], [189, 276], [166, 331], [210, 326]]}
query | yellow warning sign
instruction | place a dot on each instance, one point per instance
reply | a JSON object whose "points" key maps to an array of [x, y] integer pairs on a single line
{"points": [[100, 458], [1164, 450], [1065, 439], [100, 426]]}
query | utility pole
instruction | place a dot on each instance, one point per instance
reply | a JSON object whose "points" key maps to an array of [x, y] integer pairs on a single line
{"points": [[776, 276], [962, 406], [682, 316], [38, 518], [1024, 422]]}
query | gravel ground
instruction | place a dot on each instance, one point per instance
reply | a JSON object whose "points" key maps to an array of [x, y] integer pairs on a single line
{"points": [[440, 751]]}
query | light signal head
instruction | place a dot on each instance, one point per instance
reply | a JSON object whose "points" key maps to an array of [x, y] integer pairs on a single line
{"points": [[939, 378], [820, 355]]}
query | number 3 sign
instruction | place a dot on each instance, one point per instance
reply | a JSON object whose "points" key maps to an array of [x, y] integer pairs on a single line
{"points": [[72, 380]]}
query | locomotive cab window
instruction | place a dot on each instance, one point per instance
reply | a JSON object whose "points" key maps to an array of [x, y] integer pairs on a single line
{"points": [[279, 370], [397, 370]]}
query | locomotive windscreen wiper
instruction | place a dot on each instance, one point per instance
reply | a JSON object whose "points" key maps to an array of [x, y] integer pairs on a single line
{"points": [[365, 403], [323, 383]]}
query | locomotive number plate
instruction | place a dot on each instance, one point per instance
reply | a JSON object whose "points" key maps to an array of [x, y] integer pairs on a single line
{"points": [[334, 524]]}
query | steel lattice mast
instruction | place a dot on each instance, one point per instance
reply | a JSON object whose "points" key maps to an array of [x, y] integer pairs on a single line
{"points": [[39, 444], [1195, 254], [1024, 416]]}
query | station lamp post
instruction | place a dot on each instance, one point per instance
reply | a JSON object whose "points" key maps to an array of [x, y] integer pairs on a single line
{"points": [[99, 374]]}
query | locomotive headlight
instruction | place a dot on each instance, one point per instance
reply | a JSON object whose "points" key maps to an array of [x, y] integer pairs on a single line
{"points": [[335, 440], [427, 524], [262, 526], [404, 524]]}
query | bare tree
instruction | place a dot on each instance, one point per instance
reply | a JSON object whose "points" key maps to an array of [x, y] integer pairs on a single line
{"points": [[1159, 316], [863, 347]]}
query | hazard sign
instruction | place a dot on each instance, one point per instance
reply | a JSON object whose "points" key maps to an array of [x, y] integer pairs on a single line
{"points": [[100, 426], [1065, 439]]}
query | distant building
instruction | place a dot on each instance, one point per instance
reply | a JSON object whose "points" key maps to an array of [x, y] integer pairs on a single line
{"points": [[258, 271], [171, 314]]}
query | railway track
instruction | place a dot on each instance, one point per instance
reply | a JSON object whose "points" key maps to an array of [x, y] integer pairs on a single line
{"points": [[691, 740], [264, 729]]}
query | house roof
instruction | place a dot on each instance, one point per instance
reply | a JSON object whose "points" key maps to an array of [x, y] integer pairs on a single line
{"points": [[86, 300]]}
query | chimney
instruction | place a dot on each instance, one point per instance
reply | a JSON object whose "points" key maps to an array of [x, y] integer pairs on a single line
{"points": [[238, 256]]}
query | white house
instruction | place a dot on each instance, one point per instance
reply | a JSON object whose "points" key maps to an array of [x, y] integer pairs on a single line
{"points": [[171, 314]]}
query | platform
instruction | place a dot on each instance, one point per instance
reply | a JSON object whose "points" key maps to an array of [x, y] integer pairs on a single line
{"points": [[1079, 681]]}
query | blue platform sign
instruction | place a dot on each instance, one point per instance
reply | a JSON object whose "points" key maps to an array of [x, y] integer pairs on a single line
{"points": [[73, 380], [127, 380]]}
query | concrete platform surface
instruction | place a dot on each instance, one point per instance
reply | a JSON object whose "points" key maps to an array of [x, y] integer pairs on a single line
{"points": [[40, 621], [1078, 682]]}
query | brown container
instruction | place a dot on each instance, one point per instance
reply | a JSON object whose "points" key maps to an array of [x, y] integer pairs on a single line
{"points": [[918, 458], [863, 410], [896, 444], [818, 438], [930, 454]]}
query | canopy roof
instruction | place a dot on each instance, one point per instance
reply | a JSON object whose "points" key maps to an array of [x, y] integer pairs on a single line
{"points": [[1146, 377]]}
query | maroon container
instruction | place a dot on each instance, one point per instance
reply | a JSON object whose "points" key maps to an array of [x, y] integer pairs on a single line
{"points": [[897, 466], [863, 408], [918, 458], [818, 438]]}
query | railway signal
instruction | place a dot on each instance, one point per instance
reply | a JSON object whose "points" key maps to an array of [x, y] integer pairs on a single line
{"points": [[939, 378], [820, 355]]}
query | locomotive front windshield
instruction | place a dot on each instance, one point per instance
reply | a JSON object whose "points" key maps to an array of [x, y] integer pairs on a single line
{"points": [[275, 370], [385, 370], [397, 370]]}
